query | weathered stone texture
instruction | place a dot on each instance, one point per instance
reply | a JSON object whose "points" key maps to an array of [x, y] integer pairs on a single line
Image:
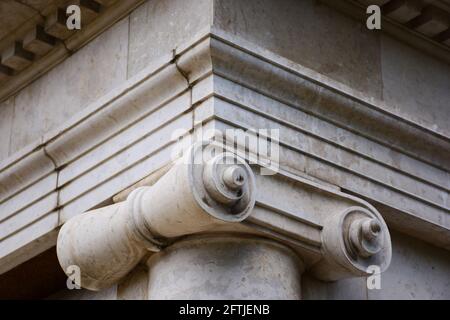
{"points": [[225, 269], [135, 285], [6, 118], [83, 294], [308, 33], [346, 289], [416, 86], [13, 14], [412, 85], [158, 27], [71, 86], [418, 271]]}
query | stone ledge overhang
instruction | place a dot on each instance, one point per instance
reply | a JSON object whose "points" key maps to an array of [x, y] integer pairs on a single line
{"points": [[38, 44], [221, 82]]}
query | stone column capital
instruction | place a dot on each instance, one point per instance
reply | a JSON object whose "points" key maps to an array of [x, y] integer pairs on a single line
{"points": [[207, 192]]}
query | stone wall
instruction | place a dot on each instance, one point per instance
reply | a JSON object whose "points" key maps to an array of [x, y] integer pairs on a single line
{"points": [[413, 85], [152, 30]]}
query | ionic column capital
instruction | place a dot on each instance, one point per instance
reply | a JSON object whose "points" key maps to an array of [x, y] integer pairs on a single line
{"points": [[334, 234]]}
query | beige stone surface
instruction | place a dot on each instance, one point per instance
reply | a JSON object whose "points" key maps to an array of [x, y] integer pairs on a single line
{"points": [[346, 289], [397, 137], [135, 285], [158, 27], [225, 268], [418, 271], [34, 233], [417, 86], [6, 119], [311, 34], [71, 86], [211, 197]]}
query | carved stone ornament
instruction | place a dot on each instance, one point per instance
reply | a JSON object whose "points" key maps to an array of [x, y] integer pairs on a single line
{"points": [[202, 193]]}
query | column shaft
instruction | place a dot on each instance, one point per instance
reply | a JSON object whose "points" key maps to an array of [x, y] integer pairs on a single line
{"points": [[225, 267]]}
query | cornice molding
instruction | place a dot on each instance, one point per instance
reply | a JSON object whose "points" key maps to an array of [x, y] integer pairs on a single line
{"points": [[326, 98], [45, 41], [374, 133]]}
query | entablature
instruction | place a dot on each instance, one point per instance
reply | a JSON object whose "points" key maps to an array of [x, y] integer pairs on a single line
{"points": [[329, 134]]}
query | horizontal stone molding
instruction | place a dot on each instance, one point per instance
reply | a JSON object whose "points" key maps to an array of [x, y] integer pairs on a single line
{"points": [[110, 145], [330, 135], [416, 187], [325, 98]]}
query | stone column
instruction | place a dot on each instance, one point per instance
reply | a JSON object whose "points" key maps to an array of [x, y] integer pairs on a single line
{"points": [[225, 267], [211, 239]]}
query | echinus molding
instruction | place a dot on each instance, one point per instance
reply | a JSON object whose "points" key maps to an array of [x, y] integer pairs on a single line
{"points": [[207, 194], [42, 43], [220, 82]]}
